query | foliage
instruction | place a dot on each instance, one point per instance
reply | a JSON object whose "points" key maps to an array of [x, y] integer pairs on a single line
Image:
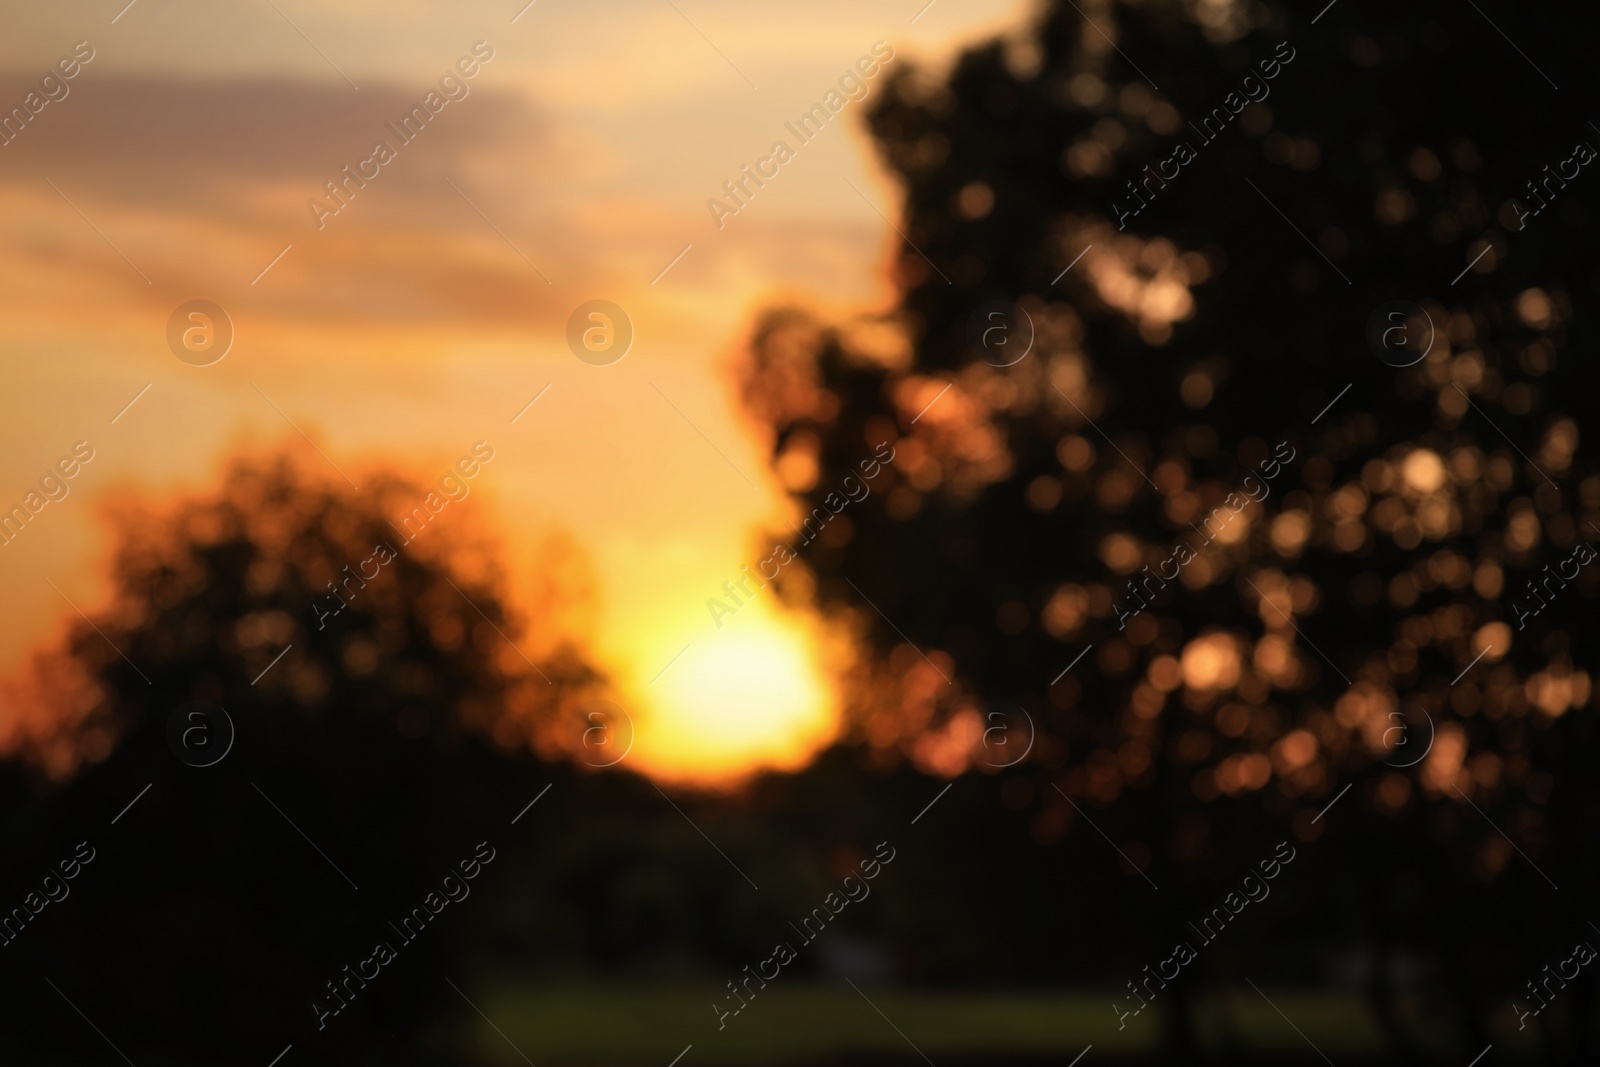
{"points": [[1324, 626]]}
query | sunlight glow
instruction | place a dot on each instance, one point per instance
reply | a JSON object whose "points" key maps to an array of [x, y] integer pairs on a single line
{"points": [[749, 696]]}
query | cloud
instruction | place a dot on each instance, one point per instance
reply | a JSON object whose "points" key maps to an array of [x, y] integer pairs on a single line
{"points": [[168, 143], [202, 183]]}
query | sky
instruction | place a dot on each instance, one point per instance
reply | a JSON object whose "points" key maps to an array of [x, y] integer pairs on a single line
{"points": [[575, 163]]}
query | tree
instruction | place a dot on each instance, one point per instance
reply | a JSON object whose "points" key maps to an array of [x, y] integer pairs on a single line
{"points": [[1200, 267], [377, 744]]}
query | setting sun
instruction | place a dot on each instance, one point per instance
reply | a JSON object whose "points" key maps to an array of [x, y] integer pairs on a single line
{"points": [[749, 696]]}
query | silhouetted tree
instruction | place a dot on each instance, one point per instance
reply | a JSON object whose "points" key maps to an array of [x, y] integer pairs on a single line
{"points": [[375, 746], [1196, 317]]}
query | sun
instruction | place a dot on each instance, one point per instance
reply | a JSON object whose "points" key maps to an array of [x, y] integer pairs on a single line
{"points": [[748, 696]]}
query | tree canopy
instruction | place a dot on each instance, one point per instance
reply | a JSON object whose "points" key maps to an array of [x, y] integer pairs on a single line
{"points": [[1275, 561]]}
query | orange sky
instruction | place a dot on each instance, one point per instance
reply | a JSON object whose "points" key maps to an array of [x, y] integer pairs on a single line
{"points": [[420, 320]]}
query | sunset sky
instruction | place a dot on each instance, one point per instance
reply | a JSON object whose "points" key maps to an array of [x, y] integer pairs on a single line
{"points": [[433, 307]]}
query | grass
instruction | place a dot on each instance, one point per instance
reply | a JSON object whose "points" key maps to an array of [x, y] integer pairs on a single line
{"points": [[798, 1023], [794, 1024]]}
